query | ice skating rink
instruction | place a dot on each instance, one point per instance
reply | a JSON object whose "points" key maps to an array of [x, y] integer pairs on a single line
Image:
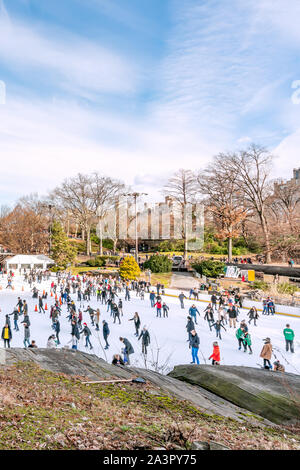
{"points": [[169, 345]]}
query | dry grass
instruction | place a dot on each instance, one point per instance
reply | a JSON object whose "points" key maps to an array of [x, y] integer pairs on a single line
{"points": [[43, 410]]}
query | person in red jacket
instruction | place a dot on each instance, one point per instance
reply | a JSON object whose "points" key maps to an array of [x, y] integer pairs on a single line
{"points": [[216, 354], [158, 308]]}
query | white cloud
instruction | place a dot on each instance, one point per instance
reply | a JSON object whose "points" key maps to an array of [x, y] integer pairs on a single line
{"points": [[70, 62]]}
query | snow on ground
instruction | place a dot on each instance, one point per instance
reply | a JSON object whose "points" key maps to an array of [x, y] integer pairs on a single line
{"points": [[167, 334]]}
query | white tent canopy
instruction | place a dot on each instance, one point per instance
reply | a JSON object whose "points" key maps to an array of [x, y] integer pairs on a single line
{"points": [[28, 262]]}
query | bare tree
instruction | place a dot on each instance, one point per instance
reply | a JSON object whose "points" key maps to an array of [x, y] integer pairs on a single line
{"points": [[253, 168], [220, 184], [104, 192], [75, 195], [182, 187]]}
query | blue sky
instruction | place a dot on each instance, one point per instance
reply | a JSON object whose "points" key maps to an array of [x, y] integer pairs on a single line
{"points": [[139, 88]]}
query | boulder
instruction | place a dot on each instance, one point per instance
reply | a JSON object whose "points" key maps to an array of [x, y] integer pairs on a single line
{"points": [[271, 395]]}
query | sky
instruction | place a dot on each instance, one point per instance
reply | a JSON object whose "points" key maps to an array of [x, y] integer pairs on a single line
{"points": [[136, 89]]}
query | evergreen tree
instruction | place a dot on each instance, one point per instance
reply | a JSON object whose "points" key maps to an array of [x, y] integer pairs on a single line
{"points": [[62, 250], [129, 269]]}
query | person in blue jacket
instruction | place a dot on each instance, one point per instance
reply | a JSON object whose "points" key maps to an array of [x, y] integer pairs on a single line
{"points": [[193, 312]]}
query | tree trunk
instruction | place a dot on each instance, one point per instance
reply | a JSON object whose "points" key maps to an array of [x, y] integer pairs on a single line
{"points": [[230, 249], [267, 239], [88, 241], [100, 237]]}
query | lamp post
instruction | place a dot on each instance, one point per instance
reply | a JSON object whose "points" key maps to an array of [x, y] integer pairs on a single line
{"points": [[135, 195], [50, 207]]}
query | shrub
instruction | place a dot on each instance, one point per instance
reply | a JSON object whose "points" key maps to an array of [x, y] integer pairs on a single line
{"points": [[286, 288], [129, 269], [159, 264], [261, 285], [209, 268]]}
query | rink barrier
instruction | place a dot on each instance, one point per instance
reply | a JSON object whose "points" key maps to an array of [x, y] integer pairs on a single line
{"points": [[259, 309]]}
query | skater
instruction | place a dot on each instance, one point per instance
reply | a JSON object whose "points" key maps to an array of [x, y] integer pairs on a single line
{"points": [[6, 335], [190, 326], [232, 313], [194, 345], [41, 305], [218, 325], [15, 314], [137, 323], [209, 315], [266, 353], [97, 319], [247, 342], [26, 334], [106, 332], [158, 308], [165, 310], [152, 298], [127, 293], [87, 333], [215, 355], [128, 349], [145, 340], [56, 327], [115, 313], [253, 315], [181, 297], [289, 336], [75, 334], [193, 313], [239, 335]]}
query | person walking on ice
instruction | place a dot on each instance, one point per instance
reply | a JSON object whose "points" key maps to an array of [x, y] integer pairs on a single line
{"points": [[266, 353], [289, 336], [181, 297], [6, 335], [194, 345], [193, 313], [128, 349], [87, 333], [145, 340], [105, 330], [247, 342], [215, 356], [218, 325]]}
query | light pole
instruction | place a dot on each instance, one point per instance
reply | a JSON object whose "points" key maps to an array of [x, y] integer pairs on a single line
{"points": [[50, 206], [135, 196]]}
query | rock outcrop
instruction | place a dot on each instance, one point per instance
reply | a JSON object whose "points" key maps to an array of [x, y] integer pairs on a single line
{"points": [[225, 391], [272, 395]]}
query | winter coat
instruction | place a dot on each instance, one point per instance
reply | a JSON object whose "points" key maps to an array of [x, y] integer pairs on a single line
{"points": [[289, 334], [190, 326], [145, 337], [239, 333], [128, 347], [194, 341], [216, 354], [6, 333], [266, 352], [105, 330], [193, 311], [247, 339], [75, 331]]}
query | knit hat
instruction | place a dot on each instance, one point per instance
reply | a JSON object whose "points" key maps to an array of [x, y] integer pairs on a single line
{"points": [[85, 324]]}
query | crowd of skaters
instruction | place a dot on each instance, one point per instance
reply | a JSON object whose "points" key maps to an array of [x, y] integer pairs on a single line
{"points": [[221, 313]]}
